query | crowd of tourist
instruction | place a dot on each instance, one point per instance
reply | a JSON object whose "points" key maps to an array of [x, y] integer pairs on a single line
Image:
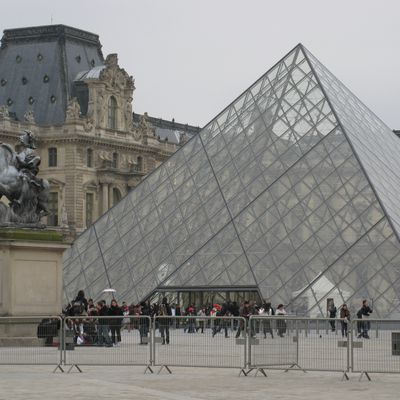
{"points": [[101, 323]]}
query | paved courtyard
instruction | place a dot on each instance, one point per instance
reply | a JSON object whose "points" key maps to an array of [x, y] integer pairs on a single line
{"points": [[22, 383]]}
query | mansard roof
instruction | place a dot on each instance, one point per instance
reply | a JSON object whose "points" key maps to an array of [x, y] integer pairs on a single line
{"points": [[38, 66]]}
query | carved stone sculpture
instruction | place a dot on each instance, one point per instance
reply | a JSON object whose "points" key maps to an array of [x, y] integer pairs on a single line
{"points": [[29, 117], [4, 112], [27, 193], [73, 109]]}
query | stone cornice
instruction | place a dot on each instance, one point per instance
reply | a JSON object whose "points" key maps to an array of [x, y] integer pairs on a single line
{"points": [[112, 142], [172, 125], [103, 142]]}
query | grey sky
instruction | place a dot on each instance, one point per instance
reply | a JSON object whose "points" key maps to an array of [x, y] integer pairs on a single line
{"points": [[191, 58]]}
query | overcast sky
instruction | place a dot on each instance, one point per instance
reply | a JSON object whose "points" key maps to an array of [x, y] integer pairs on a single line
{"points": [[190, 58]]}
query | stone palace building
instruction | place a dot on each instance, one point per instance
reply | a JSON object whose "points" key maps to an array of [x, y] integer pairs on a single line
{"points": [[55, 82]]}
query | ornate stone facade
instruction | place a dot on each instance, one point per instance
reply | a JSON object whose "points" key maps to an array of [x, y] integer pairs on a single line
{"points": [[88, 165]]}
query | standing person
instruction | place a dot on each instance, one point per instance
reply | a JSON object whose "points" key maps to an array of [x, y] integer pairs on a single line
{"points": [[281, 323], [173, 314], [245, 312], [131, 320], [266, 311], [235, 312], [115, 323], [144, 323], [79, 304], [125, 311], [345, 318], [220, 324], [365, 312], [178, 313], [332, 312], [200, 321], [164, 310], [190, 313], [102, 325], [90, 304]]}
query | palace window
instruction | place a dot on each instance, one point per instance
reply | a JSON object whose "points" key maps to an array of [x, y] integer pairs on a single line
{"points": [[116, 196], [140, 164], [112, 113], [52, 218], [89, 158], [52, 157], [89, 208], [115, 160]]}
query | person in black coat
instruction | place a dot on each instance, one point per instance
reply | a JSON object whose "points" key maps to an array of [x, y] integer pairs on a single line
{"points": [[144, 323], [115, 323], [79, 305], [164, 310], [102, 325], [364, 314]]}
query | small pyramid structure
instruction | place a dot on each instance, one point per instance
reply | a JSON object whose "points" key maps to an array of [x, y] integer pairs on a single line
{"points": [[295, 181]]}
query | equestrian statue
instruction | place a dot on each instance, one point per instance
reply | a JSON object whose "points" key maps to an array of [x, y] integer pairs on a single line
{"points": [[26, 192]]}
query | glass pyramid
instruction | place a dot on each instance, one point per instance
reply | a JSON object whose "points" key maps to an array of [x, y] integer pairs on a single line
{"points": [[292, 189]]}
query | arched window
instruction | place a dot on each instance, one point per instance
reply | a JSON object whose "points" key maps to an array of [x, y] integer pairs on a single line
{"points": [[140, 163], [116, 196], [52, 157], [115, 160], [89, 158], [112, 113]]}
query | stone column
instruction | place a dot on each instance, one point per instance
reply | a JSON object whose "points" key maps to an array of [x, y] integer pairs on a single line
{"points": [[104, 188], [110, 196]]}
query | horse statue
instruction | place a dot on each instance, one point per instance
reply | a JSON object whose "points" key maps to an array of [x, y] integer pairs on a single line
{"points": [[27, 193]]}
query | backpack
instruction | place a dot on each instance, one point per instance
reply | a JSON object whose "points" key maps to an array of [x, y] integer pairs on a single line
{"points": [[77, 308]]}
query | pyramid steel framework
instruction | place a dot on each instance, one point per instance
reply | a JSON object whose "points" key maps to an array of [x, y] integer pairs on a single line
{"points": [[293, 189]]}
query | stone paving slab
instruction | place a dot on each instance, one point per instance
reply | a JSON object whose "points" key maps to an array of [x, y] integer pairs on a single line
{"points": [[38, 382]]}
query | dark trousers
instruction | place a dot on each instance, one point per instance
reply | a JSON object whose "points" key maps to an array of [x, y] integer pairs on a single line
{"points": [[200, 326], [164, 331], [143, 330], [102, 332], [115, 331], [344, 328], [267, 328], [218, 326], [332, 323]]}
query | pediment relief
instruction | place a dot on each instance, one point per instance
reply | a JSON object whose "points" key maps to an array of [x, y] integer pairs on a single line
{"points": [[56, 182]]}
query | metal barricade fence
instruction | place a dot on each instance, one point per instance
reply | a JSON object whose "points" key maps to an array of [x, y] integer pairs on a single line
{"points": [[30, 340], [194, 341], [376, 346], [108, 340], [320, 344], [283, 342]]}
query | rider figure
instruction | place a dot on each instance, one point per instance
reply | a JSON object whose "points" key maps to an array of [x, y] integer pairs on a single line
{"points": [[28, 166]]}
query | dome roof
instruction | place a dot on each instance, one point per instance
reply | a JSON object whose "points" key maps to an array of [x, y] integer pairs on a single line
{"points": [[93, 73]]}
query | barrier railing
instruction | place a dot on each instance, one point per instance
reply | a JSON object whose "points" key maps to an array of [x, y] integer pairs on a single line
{"points": [[31, 341], [376, 346], [260, 343], [284, 342], [193, 341], [109, 340]]}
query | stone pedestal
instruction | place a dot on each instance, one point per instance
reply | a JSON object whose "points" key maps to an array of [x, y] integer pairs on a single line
{"points": [[31, 274]]}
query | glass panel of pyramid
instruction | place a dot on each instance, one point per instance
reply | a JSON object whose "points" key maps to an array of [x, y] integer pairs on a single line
{"points": [[292, 189]]}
